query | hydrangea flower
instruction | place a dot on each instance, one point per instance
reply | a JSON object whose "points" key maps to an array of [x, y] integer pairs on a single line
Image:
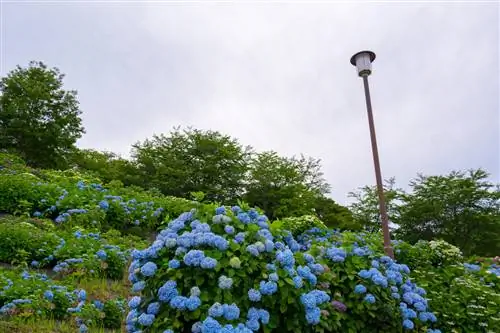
{"points": [[225, 282], [149, 269], [369, 298], [254, 295]]}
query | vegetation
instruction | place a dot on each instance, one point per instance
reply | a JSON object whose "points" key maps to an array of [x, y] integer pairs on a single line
{"points": [[167, 241], [39, 119], [462, 208]]}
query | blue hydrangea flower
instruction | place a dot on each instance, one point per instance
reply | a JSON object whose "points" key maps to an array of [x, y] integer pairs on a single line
{"points": [[225, 282], [370, 298], [298, 282], [193, 303], [285, 258], [174, 263], [167, 291], [240, 237], [138, 286], [101, 254], [134, 302], [208, 263], [146, 319], [153, 308], [408, 324], [178, 302], [254, 295], [216, 310], [194, 257], [252, 249], [231, 311], [149, 269], [49, 295], [313, 315], [360, 289], [268, 288]]}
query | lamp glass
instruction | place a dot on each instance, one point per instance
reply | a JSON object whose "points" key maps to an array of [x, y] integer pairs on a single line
{"points": [[363, 64]]}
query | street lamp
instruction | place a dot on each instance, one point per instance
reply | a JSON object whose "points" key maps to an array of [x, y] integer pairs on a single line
{"points": [[363, 62]]}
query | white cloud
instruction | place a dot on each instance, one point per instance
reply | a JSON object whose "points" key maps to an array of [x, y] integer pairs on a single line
{"points": [[277, 76]]}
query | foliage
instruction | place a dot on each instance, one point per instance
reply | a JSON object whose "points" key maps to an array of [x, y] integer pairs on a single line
{"points": [[428, 254], [466, 297], [365, 208], [73, 199], [38, 118], [22, 242], [334, 215], [284, 187], [108, 167], [11, 163], [461, 208], [297, 225], [34, 296], [193, 160]]}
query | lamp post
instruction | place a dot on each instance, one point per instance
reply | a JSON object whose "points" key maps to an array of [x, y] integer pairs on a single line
{"points": [[363, 62]]}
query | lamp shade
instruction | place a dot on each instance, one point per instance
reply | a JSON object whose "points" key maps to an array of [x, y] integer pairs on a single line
{"points": [[363, 62]]}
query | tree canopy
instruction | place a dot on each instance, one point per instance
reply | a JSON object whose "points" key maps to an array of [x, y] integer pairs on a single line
{"points": [[461, 208], [191, 160], [39, 119]]}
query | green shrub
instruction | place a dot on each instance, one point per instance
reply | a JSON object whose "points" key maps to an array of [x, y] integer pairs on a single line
{"points": [[11, 162], [464, 300], [427, 254], [22, 242], [31, 289], [298, 225], [113, 314]]}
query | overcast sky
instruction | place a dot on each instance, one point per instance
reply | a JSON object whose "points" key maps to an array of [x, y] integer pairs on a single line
{"points": [[277, 76]]}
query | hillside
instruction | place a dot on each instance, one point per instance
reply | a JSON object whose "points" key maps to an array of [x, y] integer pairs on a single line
{"points": [[80, 256]]}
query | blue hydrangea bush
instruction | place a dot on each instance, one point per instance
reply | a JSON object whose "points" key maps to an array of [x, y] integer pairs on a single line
{"points": [[228, 272], [35, 295]]}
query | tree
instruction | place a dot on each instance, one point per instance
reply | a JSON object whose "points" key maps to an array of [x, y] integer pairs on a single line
{"points": [[39, 120], [334, 215], [366, 210], [283, 186], [462, 208], [108, 166], [194, 161]]}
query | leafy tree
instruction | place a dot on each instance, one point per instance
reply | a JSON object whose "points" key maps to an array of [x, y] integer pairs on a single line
{"points": [[334, 215], [194, 161], [108, 166], [283, 186], [38, 118], [365, 208], [462, 208]]}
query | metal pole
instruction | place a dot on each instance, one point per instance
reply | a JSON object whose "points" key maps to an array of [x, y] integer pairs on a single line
{"points": [[378, 174]]}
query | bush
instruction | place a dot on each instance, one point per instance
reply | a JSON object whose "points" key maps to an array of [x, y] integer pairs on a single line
{"points": [[207, 271], [466, 297], [70, 199], [37, 296], [298, 225], [427, 254], [33, 295], [22, 242], [11, 162], [113, 314]]}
